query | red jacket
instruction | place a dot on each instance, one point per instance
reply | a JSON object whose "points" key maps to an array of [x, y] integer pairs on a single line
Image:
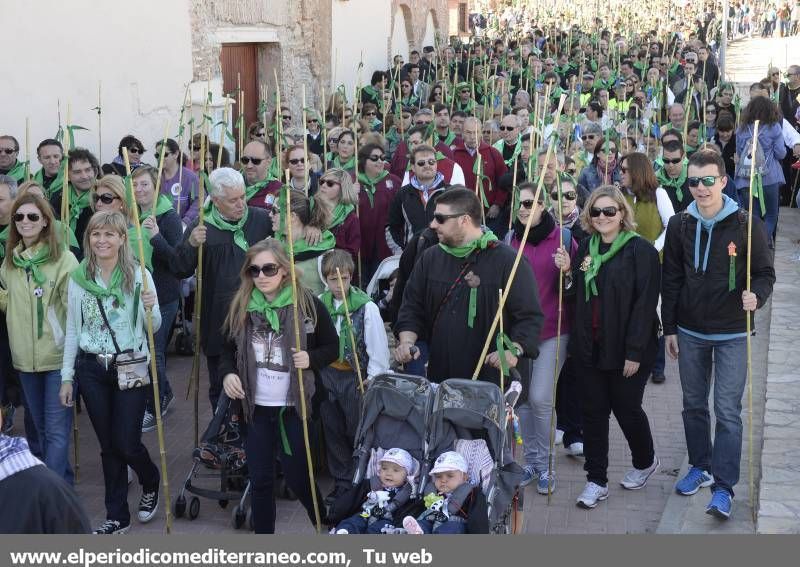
{"points": [[374, 218], [493, 168], [348, 235], [260, 199]]}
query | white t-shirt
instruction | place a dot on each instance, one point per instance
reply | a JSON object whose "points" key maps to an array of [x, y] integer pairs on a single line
{"points": [[272, 376]]}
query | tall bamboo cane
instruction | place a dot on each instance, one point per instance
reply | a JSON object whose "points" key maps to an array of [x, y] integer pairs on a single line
{"points": [[350, 329], [151, 345], [161, 167], [305, 140], [296, 316], [27, 148], [100, 121], [509, 282], [747, 317], [225, 115]]}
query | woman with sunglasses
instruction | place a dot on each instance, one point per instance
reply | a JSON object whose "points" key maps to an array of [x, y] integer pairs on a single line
{"points": [[408, 98], [307, 256], [604, 169], [437, 94], [302, 177], [164, 225], [535, 411], [178, 182], [345, 157], [135, 152], [33, 293], [106, 309], [376, 189], [260, 365], [340, 195], [568, 215], [616, 276]]}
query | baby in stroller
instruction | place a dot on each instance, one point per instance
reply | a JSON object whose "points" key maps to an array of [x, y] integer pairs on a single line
{"points": [[386, 492], [454, 504]]}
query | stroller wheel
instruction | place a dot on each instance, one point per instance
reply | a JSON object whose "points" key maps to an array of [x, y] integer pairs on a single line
{"points": [[179, 509], [223, 504], [194, 508], [249, 519], [238, 517], [183, 343]]}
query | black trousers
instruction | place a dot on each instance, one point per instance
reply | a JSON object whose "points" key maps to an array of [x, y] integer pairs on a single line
{"points": [[568, 403], [214, 381], [604, 392]]}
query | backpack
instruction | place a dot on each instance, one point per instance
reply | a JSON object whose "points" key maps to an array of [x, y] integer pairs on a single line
{"points": [[747, 161]]}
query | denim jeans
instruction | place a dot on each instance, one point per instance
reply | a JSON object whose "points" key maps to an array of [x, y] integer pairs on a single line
{"points": [[722, 459], [168, 313], [443, 528], [116, 417], [357, 524], [52, 420], [771, 206]]}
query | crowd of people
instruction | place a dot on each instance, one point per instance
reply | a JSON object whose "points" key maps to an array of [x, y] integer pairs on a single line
{"points": [[619, 165]]}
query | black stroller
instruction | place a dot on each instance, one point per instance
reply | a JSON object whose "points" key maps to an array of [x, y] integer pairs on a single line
{"points": [[220, 450]]}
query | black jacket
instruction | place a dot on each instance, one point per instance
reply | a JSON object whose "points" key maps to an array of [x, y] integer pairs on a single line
{"points": [[700, 301], [407, 214], [411, 253], [80, 226], [37, 501], [170, 231], [627, 286]]}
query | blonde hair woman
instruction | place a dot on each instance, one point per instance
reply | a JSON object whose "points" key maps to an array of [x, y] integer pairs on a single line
{"points": [[340, 194]]}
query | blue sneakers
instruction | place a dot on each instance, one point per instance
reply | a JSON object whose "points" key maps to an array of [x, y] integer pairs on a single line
{"points": [[720, 505], [694, 480], [528, 477], [546, 482]]}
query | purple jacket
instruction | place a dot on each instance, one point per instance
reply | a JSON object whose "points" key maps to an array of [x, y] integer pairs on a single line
{"points": [[188, 197], [540, 257]]}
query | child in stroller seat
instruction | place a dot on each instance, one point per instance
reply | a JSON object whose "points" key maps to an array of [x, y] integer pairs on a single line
{"points": [[456, 507], [389, 490]]}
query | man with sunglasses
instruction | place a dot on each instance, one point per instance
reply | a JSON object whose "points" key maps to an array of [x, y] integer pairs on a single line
{"points": [[401, 165], [673, 175], [451, 297], [231, 227], [704, 293], [789, 97], [261, 187], [313, 134], [9, 162], [135, 150], [83, 171], [509, 144]]}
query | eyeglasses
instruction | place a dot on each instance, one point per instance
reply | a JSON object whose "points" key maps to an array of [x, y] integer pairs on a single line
{"points": [[421, 123], [595, 212], [371, 113], [376, 158], [247, 160], [286, 117], [568, 195], [423, 162], [8, 151], [295, 161], [33, 217], [507, 128], [136, 150], [441, 218], [329, 182], [672, 161], [268, 270], [708, 180], [105, 198], [528, 203], [588, 137], [259, 134]]}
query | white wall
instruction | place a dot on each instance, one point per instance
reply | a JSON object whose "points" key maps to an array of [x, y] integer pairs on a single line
{"points": [[399, 36], [430, 32], [61, 50], [359, 26]]}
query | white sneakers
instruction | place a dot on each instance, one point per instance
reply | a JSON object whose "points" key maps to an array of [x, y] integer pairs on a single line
{"points": [[635, 479], [591, 495], [575, 449]]}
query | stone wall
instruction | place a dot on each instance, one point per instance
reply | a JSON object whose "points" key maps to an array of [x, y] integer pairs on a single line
{"points": [[419, 10]]}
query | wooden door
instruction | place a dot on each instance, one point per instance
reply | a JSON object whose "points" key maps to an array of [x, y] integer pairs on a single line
{"points": [[238, 62]]}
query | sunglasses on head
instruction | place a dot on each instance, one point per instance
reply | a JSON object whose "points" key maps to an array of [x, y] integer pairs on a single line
{"points": [[376, 158], [329, 182], [423, 162], [442, 218], [707, 180], [595, 212], [8, 151], [268, 270], [105, 198], [674, 161], [33, 217], [247, 160], [295, 161], [568, 195]]}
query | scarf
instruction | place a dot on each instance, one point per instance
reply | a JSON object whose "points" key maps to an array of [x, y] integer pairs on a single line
{"points": [[215, 219], [597, 259], [462, 252], [369, 184], [606, 171], [351, 163], [55, 185], [250, 191], [425, 189], [340, 213], [32, 263], [114, 289], [77, 203], [501, 145], [326, 242], [356, 299], [449, 138], [3, 240], [676, 183], [19, 171], [570, 219], [15, 456], [260, 304], [163, 204], [538, 232]]}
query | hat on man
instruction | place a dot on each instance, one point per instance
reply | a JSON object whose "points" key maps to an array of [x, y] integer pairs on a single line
{"points": [[449, 461]]}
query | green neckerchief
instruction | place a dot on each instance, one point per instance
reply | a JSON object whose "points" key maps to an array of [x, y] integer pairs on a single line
{"points": [[215, 219], [77, 203], [462, 252], [56, 185], [19, 171], [3, 240], [114, 289], [340, 213], [448, 140], [677, 183], [351, 163], [597, 259], [32, 264], [147, 247], [251, 191], [356, 299], [163, 204], [369, 183], [503, 343], [326, 242], [260, 304], [467, 108], [500, 146]]}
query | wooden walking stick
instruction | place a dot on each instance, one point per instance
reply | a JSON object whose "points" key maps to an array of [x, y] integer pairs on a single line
{"points": [[160, 167], [100, 121], [224, 131], [513, 192], [350, 329], [296, 316], [151, 344], [749, 324], [507, 287], [305, 141], [27, 148]]}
